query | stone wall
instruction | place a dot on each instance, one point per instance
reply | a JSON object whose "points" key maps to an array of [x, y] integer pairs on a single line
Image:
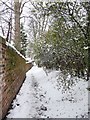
{"points": [[28, 66], [13, 69]]}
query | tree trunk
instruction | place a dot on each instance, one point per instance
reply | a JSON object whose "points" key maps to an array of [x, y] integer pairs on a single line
{"points": [[88, 38], [88, 72], [17, 24]]}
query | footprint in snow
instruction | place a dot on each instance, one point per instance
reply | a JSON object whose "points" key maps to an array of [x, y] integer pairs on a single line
{"points": [[43, 108]]}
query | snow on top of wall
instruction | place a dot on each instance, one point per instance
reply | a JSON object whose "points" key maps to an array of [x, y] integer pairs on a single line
{"points": [[2, 36], [10, 45], [29, 60]]}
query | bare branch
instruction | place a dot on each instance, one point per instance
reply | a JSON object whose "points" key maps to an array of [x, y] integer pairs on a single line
{"points": [[7, 5], [23, 7], [75, 20], [2, 30]]}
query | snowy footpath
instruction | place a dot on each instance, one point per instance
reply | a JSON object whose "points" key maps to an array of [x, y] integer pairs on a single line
{"points": [[40, 97]]}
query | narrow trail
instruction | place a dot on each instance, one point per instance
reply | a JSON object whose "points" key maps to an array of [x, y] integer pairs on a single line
{"points": [[39, 97], [28, 103]]}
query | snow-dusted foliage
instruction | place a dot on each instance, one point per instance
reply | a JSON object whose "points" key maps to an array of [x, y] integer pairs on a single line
{"points": [[61, 50], [62, 45]]}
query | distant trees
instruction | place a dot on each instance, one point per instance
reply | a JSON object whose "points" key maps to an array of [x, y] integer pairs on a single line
{"points": [[10, 16], [38, 19], [24, 42], [6, 12]]}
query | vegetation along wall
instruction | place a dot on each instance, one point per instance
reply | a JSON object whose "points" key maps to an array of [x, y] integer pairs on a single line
{"points": [[13, 69]]}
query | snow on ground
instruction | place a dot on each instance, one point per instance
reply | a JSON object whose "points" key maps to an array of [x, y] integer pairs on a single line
{"points": [[40, 97]]}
